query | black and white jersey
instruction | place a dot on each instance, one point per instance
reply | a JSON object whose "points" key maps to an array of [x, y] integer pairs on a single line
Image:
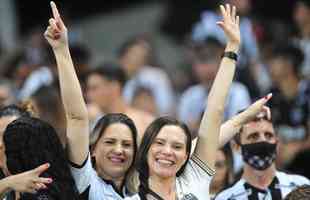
{"points": [[281, 185]]}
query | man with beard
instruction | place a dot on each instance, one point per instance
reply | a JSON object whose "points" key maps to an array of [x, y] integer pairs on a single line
{"points": [[260, 179]]}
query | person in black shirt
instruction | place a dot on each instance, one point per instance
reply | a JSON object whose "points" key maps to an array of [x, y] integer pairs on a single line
{"points": [[291, 101]]}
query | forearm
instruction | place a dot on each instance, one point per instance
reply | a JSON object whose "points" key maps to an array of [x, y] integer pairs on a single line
{"points": [[229, 129], [211, 122], [75, 107], [5, 186], [71, 92]]}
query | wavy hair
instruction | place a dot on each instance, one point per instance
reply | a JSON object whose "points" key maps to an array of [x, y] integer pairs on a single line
{"points": [[31, 142]]}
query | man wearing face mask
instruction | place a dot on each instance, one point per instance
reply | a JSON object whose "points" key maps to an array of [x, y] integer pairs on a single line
{"points": [[260, 179]]}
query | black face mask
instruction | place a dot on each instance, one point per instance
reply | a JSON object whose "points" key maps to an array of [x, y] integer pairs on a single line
{"points": [[259, 155]]}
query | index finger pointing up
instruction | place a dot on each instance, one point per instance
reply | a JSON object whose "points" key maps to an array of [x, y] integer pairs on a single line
{"points": [[55, 10]]}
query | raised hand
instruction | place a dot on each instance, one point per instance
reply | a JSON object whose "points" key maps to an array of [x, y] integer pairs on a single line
{"points": [[230, 24], [56, 33], [30, 181], [257, 109]]}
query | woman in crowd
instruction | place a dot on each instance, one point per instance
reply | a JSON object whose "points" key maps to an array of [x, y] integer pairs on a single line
{"points": [[30, 142], [113, 144], [167, 170]]}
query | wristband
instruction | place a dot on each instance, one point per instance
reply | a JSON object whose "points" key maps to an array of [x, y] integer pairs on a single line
{"points": [[231, 55]]}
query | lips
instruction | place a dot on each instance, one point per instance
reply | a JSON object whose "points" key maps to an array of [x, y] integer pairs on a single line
{"points": [[117, 159], [165, 162]]}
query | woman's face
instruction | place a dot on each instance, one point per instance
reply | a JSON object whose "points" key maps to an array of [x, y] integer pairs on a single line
{"points": [[167, 153], [114, 151], [4, 121]]}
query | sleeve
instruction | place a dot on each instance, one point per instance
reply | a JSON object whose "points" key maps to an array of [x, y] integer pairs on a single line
{"points": [[82, 174], [196, 178]]}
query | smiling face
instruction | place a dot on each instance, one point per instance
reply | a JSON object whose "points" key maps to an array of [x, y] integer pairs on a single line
{"points": [[167, 153], [114, 151]]}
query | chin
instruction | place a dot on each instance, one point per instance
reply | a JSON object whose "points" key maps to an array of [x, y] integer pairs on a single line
{"points": [[164, 173]]}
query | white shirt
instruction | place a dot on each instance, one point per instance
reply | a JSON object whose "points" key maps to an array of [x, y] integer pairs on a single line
{"points": [[195, 181], [86, 177], [193, 102], [286, 183]]}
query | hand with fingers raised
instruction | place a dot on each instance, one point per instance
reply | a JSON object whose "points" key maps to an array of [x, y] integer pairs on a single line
{"points": [[29, 181], [56, 33], [230, 26]]}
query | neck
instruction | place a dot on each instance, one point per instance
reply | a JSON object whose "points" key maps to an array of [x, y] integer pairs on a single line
{"points": [[289, 86], [164, 187], [259, 178], [117, 181]]}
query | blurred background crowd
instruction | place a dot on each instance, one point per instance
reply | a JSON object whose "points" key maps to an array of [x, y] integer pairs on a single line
{"points": [[170, 52]]}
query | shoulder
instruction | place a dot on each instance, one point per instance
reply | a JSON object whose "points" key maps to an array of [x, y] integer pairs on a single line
{"points": [[236, 191], [292, 179]]}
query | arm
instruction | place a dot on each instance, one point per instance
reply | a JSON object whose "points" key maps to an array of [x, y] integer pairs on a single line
{"points": [[232, 126], [209, 129], [71, 93], [25, 182]]}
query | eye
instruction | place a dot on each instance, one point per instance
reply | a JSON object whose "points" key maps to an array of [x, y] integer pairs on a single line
{"points": [[127, 144], [269, 135], [178, 146], [159, 142], [109, 142], [253, 136]]}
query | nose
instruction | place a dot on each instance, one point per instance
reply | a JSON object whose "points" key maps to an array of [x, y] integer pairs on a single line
{"points": [[118, 149], [167, 150]]}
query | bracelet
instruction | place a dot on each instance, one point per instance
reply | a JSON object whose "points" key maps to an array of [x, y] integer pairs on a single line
{"points": [[231, 55]]}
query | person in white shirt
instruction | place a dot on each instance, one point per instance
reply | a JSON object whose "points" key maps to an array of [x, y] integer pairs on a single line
{"points": [[260, 179], [166, 168]]}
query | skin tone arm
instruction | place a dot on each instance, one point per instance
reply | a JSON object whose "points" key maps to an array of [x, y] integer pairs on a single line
{"points": [[71, 93], [232, 126], [209, 130], [25, 182]]}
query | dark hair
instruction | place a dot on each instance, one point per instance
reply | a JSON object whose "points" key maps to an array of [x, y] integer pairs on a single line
{"points": [[30, 142], [108, 120], [14, 110], [291, 53], [149, 136], [111, 72], [300, 193], [237, 137]]}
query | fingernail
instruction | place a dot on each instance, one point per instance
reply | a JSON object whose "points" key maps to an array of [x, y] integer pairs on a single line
{"points": [[268, 96], [50, 180]]}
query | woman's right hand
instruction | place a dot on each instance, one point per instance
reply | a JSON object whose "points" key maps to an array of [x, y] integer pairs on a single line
{"points": [[29, 181]]}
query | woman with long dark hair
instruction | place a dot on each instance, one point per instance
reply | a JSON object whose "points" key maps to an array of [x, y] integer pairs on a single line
{"points": [[167, 170], [30, 142]]}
